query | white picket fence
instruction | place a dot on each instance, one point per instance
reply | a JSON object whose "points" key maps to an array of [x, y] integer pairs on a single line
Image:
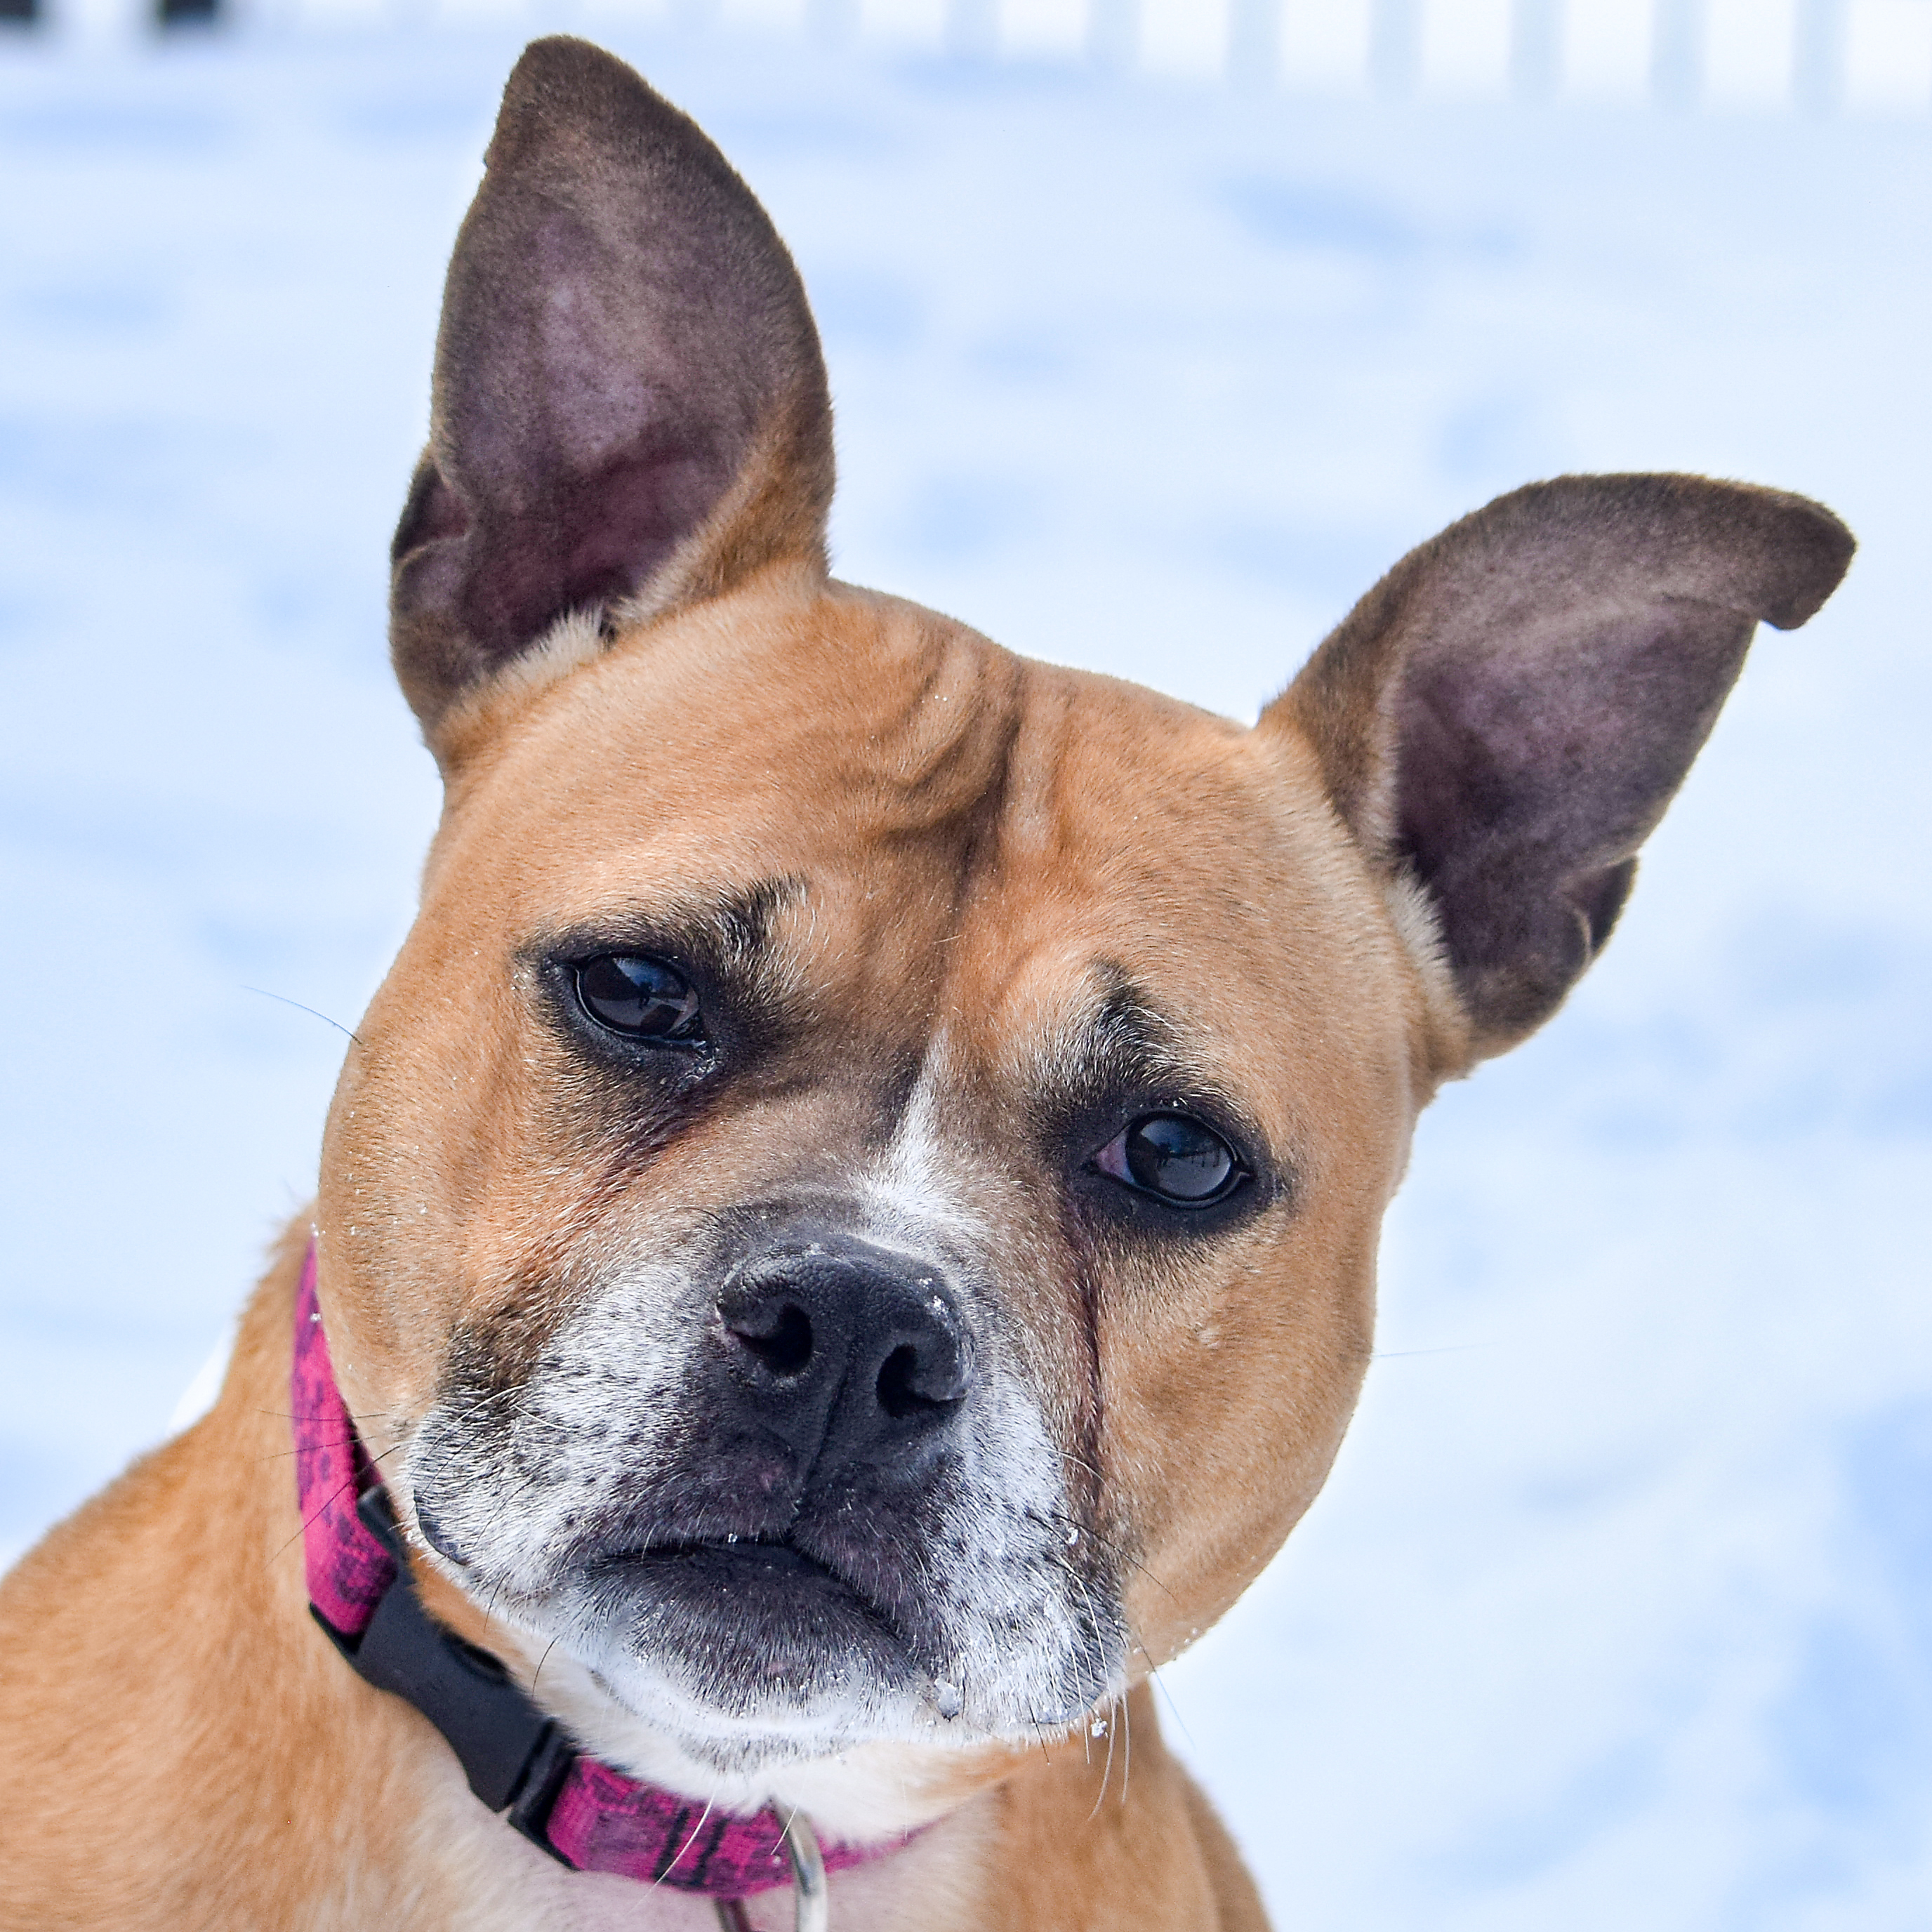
{"points": [[1858, 55]]}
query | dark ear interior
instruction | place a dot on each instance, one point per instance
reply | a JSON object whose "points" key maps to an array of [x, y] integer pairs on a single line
{"points": [[629, 402], [1509, 711]]}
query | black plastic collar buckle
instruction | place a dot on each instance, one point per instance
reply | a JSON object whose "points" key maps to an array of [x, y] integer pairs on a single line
{"points": [[510, 1752]]}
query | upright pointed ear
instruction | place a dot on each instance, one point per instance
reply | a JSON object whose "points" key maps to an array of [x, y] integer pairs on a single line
{"points": [[1506, 714], [629, 409]]}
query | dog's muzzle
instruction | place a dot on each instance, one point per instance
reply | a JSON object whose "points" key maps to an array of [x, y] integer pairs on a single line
{"points": [[785, 1487], [828, 1395]]}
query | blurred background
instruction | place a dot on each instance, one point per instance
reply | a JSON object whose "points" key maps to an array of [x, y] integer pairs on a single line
{"points": [[1156, 331]]}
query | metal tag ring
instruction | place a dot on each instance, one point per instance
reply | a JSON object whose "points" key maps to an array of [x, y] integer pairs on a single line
{"points": [[808, 1878]]}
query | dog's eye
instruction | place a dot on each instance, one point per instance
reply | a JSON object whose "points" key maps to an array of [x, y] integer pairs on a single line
{"points": [[645, 998], [1177, 1159]]}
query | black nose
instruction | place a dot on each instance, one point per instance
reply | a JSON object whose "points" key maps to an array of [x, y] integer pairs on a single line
{"points": [[846, 1351]]}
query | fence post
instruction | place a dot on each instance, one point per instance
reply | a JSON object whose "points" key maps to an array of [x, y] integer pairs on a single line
{"points": [[1677, 53], [92, 25], [1534, 51], [1395, 35], [972, 29], [1113, 34], [1254, 44], [1818, 55]]}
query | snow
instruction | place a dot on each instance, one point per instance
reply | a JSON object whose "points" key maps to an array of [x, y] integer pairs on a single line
{"points": [[1618, 1608]]}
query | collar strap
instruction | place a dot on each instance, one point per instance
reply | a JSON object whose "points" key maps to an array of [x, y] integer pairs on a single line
{"points": [[518, 1759]]}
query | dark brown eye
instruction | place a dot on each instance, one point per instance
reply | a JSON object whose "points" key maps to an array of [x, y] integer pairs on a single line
{"points": [[645, 998], [1176, 1158]]}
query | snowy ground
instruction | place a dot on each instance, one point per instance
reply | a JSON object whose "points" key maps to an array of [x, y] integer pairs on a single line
{"points": [[1618, 1609]]}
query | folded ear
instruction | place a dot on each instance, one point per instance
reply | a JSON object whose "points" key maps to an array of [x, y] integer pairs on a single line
{"points": [[629, 405], [1506, 714]]}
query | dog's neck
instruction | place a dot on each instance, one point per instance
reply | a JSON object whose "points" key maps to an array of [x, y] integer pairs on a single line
{"points": [[605, 1789], [875, 1793]]}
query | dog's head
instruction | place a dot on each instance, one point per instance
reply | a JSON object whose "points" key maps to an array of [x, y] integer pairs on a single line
{"points": [[854, 1214]]}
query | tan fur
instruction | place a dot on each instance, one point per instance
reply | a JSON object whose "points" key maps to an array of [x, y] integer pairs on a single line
{"points": [[965, 855], [198, 1544]]}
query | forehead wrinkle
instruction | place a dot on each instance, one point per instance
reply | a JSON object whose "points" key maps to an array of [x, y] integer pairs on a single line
{"points": [[911, 733]]}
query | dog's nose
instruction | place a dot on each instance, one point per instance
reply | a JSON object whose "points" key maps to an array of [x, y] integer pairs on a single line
{"points": [[847, 1352]]}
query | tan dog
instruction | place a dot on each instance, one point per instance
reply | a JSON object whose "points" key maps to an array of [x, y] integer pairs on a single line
{"points": [[849, 1231]]}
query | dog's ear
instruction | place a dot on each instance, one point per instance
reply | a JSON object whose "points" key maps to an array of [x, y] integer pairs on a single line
{"points": [[1506, 714], [629, 409]]}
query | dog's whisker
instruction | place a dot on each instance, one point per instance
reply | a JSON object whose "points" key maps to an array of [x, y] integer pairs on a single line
{"points": [[536, 1675], [1159, 1683], [263, 992], [317, 1415], [1107, 1768], [692, 1840], [309, 1522]]}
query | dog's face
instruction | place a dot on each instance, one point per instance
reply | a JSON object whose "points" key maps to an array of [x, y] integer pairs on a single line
{"points": [[872, 1155], [854, 1214]]}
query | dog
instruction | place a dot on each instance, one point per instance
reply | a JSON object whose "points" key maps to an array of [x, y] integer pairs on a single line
{"points": [[848, 1236]]}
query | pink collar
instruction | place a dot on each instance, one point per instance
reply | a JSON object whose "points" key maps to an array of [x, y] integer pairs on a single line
{"points": [[582, 1812]]}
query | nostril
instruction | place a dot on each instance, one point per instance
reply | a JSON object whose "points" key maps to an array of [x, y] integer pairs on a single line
{"points": [[908, 1385], [780, 1338], [897, 1395]]}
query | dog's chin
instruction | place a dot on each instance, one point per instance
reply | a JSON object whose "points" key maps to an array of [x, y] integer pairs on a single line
{"points": [[751, 1653], [750, 1657], [755, 1626]]}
